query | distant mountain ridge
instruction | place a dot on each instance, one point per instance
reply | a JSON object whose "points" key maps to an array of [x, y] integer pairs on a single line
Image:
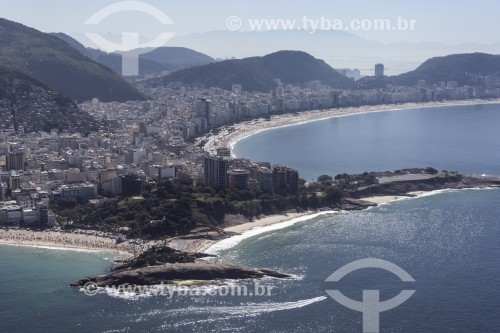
{"points": [[151, 62], [26, 102], [463, 68], [59, 65], [339, 48], [259, 73]]}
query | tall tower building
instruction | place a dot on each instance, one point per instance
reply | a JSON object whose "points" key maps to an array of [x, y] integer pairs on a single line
{"points": [[379, 70], [215, 172], [131, 185], [15, 160], [285, 180], [203, 109], [43, 214]]}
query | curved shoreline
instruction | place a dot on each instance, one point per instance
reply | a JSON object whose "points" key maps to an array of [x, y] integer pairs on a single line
{"points": [[246, 129], [239, 232], [57, 240], [251, 229]]}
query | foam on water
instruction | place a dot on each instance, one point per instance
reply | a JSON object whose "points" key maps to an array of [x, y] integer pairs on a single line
{"points": [[231, 242], [433, 193], [251, 309], [58, 248]]}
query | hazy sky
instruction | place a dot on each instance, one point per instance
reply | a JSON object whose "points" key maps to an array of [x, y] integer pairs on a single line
{"points": [[446, 21]]}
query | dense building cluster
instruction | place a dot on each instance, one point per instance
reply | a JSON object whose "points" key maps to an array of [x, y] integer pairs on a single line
{"points": [[140, 144], [31, 109]]}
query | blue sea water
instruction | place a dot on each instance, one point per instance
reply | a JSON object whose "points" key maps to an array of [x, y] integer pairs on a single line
{"points": [[448, 242], [462, 138]]}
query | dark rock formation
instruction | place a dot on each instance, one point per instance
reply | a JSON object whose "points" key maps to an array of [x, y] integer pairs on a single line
{"points": [[153, 275], [162, 264], [355, 204], [159, 255]]}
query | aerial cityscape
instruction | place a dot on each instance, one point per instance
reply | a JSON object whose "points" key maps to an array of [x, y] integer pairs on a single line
{"points": [[193, 187]]}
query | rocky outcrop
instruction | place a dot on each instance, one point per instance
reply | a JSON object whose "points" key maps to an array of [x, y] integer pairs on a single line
{"points": [[154, 275], [397, 188], [354, 204], [161, 264], [159, 255]]}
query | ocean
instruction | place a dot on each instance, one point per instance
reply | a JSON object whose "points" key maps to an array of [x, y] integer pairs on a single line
{"points": [[448, 241], [454, 138]]}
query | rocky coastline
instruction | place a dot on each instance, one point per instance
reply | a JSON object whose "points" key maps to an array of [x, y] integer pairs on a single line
{"points": [[164, 264]]}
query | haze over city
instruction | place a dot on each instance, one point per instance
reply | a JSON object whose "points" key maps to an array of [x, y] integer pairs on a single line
{"points": [[441, 28]]}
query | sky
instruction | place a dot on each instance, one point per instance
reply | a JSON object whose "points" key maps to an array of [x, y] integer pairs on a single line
{"points": [[444, 21], [441, 27]]}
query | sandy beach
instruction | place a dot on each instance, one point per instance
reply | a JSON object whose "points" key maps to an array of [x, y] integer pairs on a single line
{"points": [[244, 229], [248, 128], [274, 219], [66, 240], [248, 229], [200, 243], [88, 242], [265, 221]]}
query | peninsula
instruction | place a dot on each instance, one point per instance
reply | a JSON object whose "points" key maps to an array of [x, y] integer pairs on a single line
{"points": [[180, 257]]}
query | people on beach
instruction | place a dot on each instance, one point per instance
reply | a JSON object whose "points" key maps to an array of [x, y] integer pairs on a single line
{"points": [[71, 240]]}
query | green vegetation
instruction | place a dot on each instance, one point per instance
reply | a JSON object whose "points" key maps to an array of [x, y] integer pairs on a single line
{"points": [[258, 73], [440, 181], [174, 208], [60, 66], [324, 178]]}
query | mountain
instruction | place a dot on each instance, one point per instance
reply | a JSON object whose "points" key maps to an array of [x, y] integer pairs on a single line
{"points": [[152, 62], [464, 68], [60, 66], [114, 62], [87, 51], [27, 102], [258, 73], [177, 57], [157, 61], [338, 48]]}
